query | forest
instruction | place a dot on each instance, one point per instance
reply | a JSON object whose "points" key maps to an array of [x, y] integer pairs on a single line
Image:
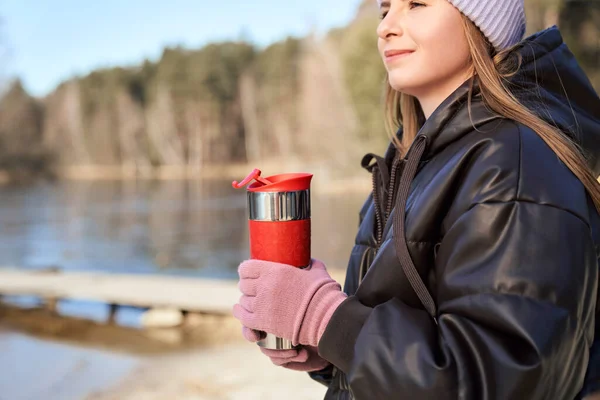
{"points": [[302, 99]]}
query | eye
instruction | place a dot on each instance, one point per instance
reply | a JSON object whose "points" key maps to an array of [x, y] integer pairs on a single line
{"points": [[415, 4], [382, 15]]}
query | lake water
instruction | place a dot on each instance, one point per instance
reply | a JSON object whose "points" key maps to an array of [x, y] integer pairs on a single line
{"points": [[179, 227], [196, 228]]}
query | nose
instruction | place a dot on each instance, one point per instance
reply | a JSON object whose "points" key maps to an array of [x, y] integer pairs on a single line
{"points": [[390, 26]]}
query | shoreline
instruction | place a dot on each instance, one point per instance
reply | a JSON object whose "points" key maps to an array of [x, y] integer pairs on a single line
{"points": [[144, 364], [207, 360], [326, 178], [236, 371]]}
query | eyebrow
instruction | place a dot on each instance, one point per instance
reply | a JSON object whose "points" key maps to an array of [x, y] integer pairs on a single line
{"points": [[386, 3]]}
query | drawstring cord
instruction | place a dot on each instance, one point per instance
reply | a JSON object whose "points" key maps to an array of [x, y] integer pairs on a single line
{"points": [[410, 170]]}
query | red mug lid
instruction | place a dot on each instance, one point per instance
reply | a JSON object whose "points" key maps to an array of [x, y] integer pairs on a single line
{"points": [[289, 182]]}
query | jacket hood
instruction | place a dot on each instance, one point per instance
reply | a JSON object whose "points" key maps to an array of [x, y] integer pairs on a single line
{"points": [[551, 82]]}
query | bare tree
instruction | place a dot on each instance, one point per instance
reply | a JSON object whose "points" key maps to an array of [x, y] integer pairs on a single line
{"points": [[328, 123], [195, 128], [131, 126], [541, 14], [63, 130], [161, 129], [249, 106]]}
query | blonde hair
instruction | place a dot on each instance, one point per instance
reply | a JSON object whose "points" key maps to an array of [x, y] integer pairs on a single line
{"points": [[491, 71]]}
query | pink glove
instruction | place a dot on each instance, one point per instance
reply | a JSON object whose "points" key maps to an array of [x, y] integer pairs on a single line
{"points": [[291, 303], [304, 359], [251, 335]]}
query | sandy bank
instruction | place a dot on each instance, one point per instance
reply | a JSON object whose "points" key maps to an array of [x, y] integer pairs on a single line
{"points": [[233, 372]]}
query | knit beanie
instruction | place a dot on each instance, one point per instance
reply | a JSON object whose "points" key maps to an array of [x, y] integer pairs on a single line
{"points": [[501, 21]]}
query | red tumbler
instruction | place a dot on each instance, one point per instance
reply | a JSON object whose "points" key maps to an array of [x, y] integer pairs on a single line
{"points": [[279, 225]]}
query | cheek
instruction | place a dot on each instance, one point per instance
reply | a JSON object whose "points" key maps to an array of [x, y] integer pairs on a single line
{"points": [[435, 59], [444, 41], [448, 54]]}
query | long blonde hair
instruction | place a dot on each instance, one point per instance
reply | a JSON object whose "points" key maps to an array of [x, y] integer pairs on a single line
{"points": [[404, 110]]}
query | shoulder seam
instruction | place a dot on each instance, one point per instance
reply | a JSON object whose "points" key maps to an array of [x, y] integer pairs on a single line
{"points": [[581, 218]]}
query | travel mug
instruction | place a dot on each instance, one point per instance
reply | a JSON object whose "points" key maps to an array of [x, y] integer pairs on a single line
{"points": [[279, 225]]}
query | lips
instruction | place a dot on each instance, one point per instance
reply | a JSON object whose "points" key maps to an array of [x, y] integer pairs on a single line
{"points": [[396, 54], [390, 53]]}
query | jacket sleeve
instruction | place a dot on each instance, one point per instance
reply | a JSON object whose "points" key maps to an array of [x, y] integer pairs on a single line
{"points": [[516, 288], [323, 376]]}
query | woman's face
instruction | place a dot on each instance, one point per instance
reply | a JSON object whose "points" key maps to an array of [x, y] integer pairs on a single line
{"points": [[423, 46]]}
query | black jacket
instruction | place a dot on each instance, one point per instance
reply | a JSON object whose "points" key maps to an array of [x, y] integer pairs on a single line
{"points": [[499, 232]]}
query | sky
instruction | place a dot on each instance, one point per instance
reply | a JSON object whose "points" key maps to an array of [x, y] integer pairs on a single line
{"points": [[45, 42]]}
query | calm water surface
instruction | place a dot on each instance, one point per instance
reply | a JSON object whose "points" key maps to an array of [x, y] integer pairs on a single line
{"points": [[166, 227]]}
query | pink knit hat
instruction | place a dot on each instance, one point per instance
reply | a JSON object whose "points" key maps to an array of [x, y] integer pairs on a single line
{"points": [[501, 21]]}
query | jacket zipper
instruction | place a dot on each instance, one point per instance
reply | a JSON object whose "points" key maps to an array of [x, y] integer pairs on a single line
{"points": [[377, 208], [342, 380], [380, 220], [390, 200]]}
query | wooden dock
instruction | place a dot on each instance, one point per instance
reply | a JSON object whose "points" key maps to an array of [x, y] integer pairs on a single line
{"points": [[148, 291], [170, 300]]}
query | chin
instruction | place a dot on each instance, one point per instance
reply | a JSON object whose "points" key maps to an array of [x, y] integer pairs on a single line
{"points": [[404, 83], [403, 87]]}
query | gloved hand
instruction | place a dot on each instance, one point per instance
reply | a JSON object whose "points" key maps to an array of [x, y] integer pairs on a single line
{"points": [[289, 302], [303, 359]]}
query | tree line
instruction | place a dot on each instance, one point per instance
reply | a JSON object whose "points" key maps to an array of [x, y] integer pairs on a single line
{"points": [[301, 99]]}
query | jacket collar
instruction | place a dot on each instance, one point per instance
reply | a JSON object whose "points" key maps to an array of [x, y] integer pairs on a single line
{"points": [[450, 121]]}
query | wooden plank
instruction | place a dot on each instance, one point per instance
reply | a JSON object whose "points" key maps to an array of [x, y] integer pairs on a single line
{"points": [[192, 294]]}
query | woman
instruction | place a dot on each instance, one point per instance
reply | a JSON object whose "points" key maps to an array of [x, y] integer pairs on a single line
{"points": [[474, 272]]}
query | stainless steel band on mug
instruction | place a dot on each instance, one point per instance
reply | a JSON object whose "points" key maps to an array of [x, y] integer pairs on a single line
{"points": [[279, 206], [271, 341]]}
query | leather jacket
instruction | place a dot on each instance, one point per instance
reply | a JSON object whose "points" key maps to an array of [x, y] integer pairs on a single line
{"points": [[474, 273]]}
